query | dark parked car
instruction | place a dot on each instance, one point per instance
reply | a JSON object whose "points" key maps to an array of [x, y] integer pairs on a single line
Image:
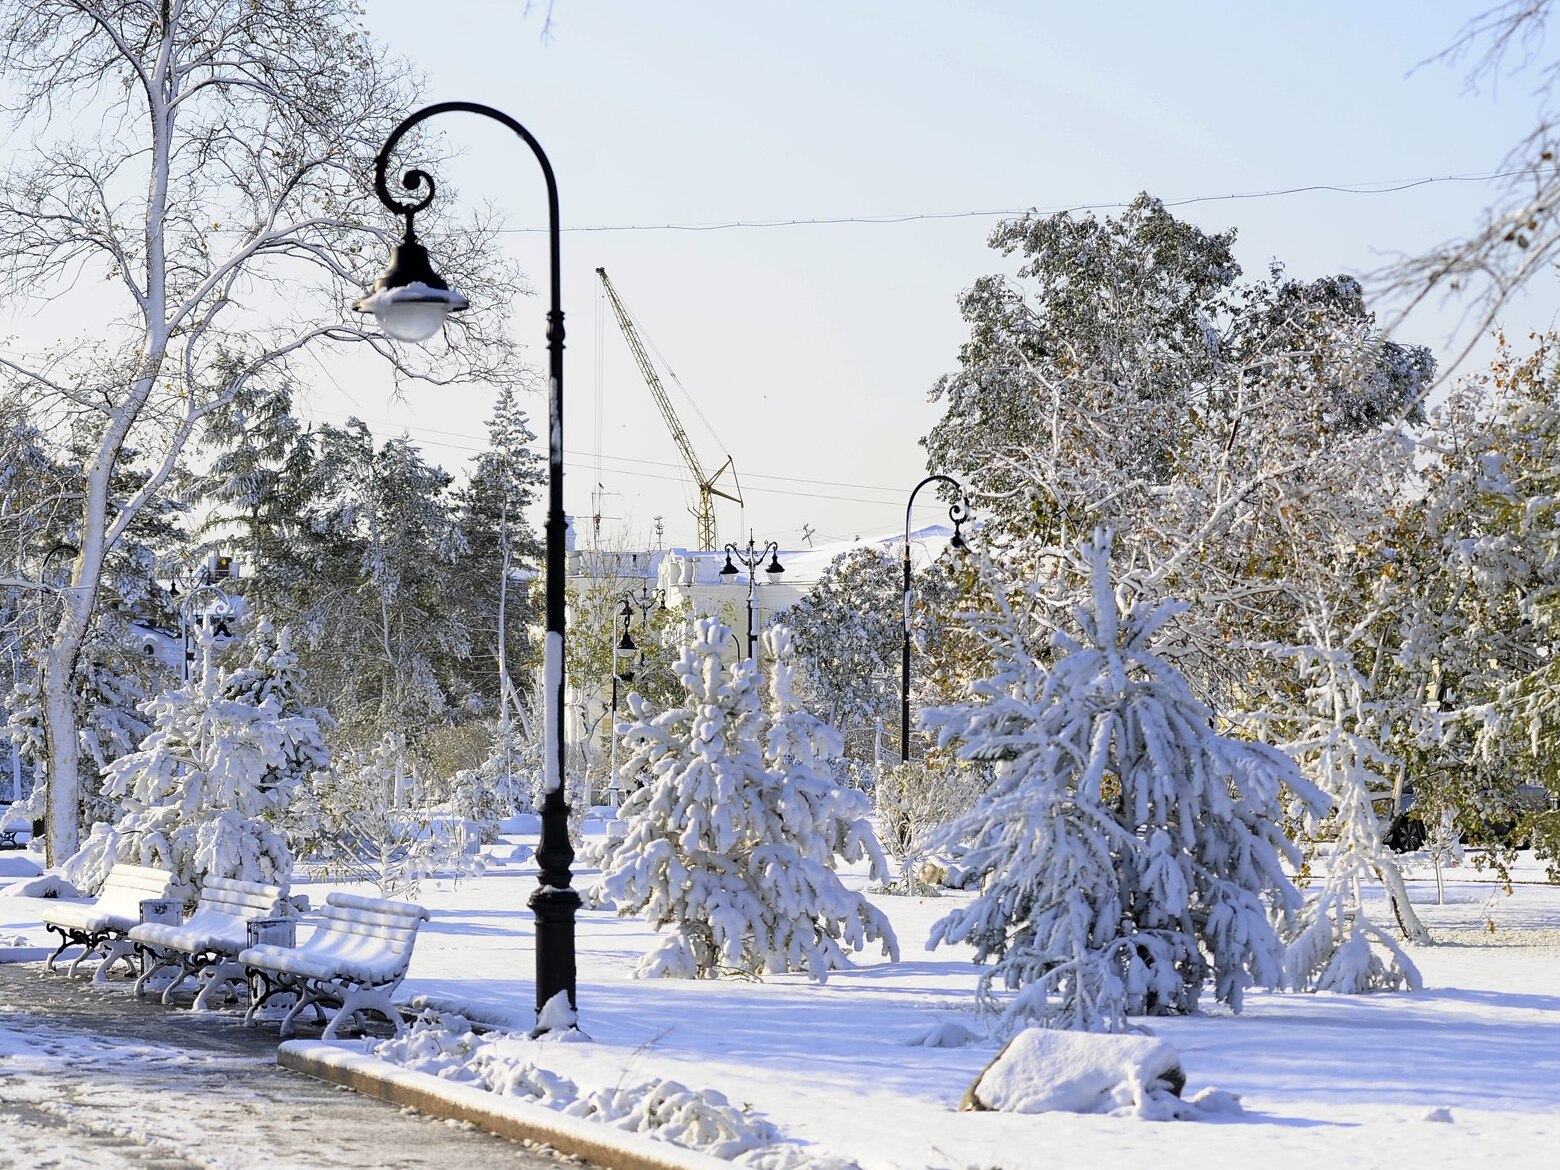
{"points": [[1405, 832]]}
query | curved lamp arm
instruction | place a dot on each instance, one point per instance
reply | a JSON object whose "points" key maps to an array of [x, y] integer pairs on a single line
{"points": [[960, 514]]}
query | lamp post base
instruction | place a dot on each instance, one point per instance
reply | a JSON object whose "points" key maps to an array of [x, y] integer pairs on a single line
{"points": [[555, 969]]}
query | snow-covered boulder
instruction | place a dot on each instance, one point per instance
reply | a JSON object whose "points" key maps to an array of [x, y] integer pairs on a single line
{"points": [[45, 885], [19, 865], [1044, 1071]]}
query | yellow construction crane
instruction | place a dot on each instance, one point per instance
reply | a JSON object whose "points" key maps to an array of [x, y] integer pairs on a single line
{"points": [[707, 488]]}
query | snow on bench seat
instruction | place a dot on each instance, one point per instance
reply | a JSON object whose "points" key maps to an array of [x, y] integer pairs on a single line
{"points": [[207, 943], [109, 919], [354, 961]]}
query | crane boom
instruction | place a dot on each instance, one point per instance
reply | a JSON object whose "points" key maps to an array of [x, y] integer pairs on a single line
{"points": [[707, 483]]}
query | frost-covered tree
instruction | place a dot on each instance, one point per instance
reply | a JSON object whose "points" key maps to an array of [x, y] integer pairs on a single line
{"points": [[1475, 593], [205, 167], [501, 553], [847, 633], [1128, 376], [1130, 852], [1337, 947], [734, 832], [200, 795], [1123, 340], [375, 620], [374, 821]]}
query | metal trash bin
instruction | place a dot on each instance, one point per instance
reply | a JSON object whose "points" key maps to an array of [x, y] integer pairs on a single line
{"points": [[276, 932], [165, 910]]}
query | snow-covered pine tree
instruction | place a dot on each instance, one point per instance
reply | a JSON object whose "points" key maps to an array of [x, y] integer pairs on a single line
{"points": [[822, 820], [1130, 850], [200, 793], [732, 833], [274, 675]]}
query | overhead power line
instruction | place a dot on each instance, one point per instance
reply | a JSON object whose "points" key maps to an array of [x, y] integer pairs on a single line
{"points": [[1371, 187], [474, 444]]}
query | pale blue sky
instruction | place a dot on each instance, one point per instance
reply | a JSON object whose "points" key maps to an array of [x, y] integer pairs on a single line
{"points": [[810, 349]]}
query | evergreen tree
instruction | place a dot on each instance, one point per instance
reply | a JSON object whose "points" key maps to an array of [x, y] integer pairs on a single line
{"points": [[375, 579], [201, 793], [274, 678], [1130, 851], [733, 833], [501, 554]]}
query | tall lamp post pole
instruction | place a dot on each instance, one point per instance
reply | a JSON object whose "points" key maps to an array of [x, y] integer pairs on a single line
{"points": [[621, 649], [749, 558], [959, 513], [410, 301]]}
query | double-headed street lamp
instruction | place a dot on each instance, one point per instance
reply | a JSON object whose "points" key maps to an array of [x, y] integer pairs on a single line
{"points": [[410, 302], [749, 558], [959, 513]]}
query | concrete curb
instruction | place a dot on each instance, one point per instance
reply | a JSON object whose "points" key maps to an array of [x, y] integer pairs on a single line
{"points": [[509, 1117]]}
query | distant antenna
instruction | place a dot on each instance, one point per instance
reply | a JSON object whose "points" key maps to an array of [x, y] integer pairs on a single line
{"points": [[807, 534]]}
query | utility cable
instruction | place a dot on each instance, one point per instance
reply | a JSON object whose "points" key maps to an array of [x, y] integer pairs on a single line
{"points": [[1367, 187]]}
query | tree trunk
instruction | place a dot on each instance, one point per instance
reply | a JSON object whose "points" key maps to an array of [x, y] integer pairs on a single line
{"points": [[1397, 896], [61, 735]]}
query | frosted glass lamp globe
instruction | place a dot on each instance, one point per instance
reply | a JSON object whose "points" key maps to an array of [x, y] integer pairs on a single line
{"points": [[410, 301]]}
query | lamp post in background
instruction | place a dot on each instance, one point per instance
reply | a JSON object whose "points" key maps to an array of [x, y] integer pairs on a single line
{"points": [[205, 623], [623, 648], [410, 301], [749, 559], [959, 513]]}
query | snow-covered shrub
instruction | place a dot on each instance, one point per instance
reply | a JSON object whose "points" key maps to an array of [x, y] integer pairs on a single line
{"points": [[375, 822], [732, 837], [1131, 852], [1337, 947], [912, 800]]}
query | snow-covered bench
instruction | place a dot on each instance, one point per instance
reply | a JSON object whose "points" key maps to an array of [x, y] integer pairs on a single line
{"points": [[106, 922], [354, 961], [207, 944]]}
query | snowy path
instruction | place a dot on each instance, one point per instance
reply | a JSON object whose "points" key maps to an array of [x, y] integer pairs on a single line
{"points": [[90, 1078]]}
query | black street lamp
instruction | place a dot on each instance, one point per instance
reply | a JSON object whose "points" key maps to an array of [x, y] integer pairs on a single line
{"points": [[205, 620], [960, 514], [410, 302], [623, 648], [749, 558]]}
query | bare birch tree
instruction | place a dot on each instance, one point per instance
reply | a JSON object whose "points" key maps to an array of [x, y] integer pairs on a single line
{"points": [[1519, 236], [198, 185]]}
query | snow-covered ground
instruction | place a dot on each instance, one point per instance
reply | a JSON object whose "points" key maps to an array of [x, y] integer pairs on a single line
{"points": [[1325, 1080]]}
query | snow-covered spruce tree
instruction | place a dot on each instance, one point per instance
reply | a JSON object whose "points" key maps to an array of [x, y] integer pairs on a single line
{"points": [[733, 833], [1130, 851], [200, 794], [273, 676]]}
